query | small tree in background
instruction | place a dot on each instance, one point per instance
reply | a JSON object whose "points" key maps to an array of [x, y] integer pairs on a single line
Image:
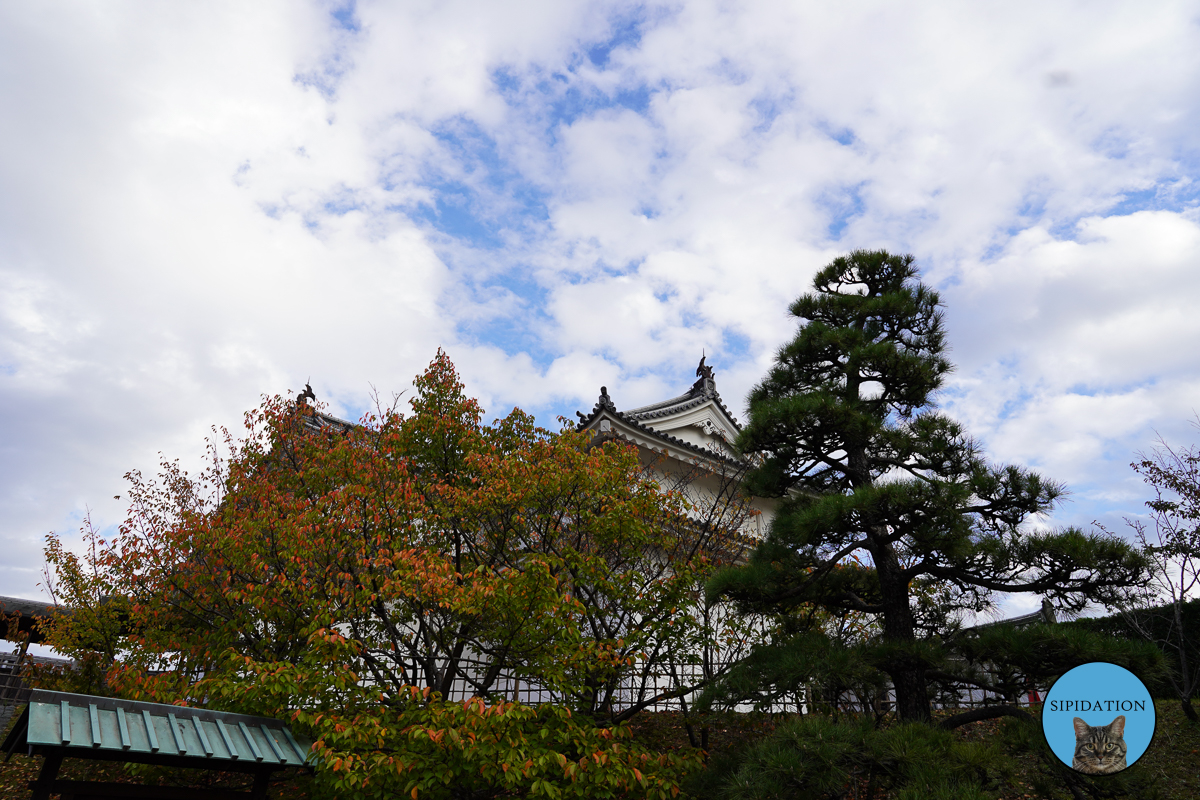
{"points": [[1171, 543], [849, 438], [91, 614]]}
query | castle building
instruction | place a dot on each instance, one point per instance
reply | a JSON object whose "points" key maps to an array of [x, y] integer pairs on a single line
{"points": [[690, 435]]}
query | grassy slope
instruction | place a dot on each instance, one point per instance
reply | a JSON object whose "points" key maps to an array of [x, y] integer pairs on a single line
{"points": [[1172, 763]]}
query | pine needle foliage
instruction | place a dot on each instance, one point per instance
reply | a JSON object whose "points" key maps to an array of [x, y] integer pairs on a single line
{"points": [[815, 757], [871, 475]]}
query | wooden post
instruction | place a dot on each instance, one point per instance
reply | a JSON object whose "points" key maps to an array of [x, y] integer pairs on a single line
{"points": [[262, 780], [41, 787]]}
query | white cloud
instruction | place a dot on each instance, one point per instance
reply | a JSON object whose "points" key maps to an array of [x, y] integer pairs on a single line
{"points": [[203, 203], [1076, 351]]}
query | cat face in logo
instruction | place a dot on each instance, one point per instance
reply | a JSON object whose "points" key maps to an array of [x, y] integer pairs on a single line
{"points": [[1099, 749]]}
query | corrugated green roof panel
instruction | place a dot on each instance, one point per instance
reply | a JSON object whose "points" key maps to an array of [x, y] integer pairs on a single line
{"points": [[103, 723]]}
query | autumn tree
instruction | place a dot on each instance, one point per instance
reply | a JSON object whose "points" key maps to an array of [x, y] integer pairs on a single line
{"points": [[90, 612], [1164, 611], [847, 434], [361, 577]]}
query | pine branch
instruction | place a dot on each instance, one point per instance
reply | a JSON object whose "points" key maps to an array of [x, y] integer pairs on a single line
{"points": [[987, 712]]}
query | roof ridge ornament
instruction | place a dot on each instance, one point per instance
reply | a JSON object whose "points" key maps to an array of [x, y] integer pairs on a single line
{"points": [[706, 385], [605, 401]]}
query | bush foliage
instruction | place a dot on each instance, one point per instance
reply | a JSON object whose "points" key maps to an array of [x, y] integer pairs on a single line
{"points": [[349, 578]]}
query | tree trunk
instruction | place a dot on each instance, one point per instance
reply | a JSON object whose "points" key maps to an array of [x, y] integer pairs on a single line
{"points": [[1186, 682], [907, 672], [912, 692], [899, 627]]}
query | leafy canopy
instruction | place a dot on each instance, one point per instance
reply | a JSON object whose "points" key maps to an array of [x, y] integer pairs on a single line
{"points": [[888, 507], [354, 577]]}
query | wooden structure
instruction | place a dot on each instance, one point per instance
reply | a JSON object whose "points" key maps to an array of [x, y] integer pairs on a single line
{"points": [[19, 618], [60, 725]]}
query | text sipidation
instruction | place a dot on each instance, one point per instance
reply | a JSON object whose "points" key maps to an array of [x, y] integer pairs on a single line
{"points": [[1097, 705]]}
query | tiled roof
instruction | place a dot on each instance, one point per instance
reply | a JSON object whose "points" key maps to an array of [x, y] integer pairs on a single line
{"points": [[1043, 616], [31, 608], [702, 391], [320, 421], [28, 614]]}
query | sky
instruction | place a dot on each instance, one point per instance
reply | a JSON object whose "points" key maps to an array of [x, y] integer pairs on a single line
{"points": [[205, 203]]}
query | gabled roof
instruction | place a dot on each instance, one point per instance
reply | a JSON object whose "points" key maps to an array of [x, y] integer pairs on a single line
{"points": [[28, 614], [1043, 616], [152, 733], [699, 414], [702, 391], [320, 421]]}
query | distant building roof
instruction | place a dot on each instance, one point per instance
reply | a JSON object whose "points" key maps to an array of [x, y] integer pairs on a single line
{"points": [[1043, 616], [696, 425], [29, 613], [702, 391], [320, 421]]}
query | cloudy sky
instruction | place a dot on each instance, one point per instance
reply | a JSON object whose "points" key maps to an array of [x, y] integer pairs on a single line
{"points": [[202, 203]]}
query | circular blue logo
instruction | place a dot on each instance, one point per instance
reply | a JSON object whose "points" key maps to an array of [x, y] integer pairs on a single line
{"points": [[1098, 718]]}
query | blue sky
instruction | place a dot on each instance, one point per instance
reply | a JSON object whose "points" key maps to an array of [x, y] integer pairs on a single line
{"points": [[201, 204]]}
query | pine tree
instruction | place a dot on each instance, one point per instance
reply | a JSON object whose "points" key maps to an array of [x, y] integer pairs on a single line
{"points": [[846, 433]]}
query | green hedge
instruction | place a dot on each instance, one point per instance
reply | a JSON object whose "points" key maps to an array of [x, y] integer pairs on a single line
{"points": [[1159, 620]]}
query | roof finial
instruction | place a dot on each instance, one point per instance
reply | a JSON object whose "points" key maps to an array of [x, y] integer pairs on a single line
{"points": [[1048, 611], [605, 401], [306, 395], [705, 386]]}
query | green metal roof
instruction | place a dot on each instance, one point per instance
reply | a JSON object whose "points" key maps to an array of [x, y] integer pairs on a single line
{"points": [[84, 726]]}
